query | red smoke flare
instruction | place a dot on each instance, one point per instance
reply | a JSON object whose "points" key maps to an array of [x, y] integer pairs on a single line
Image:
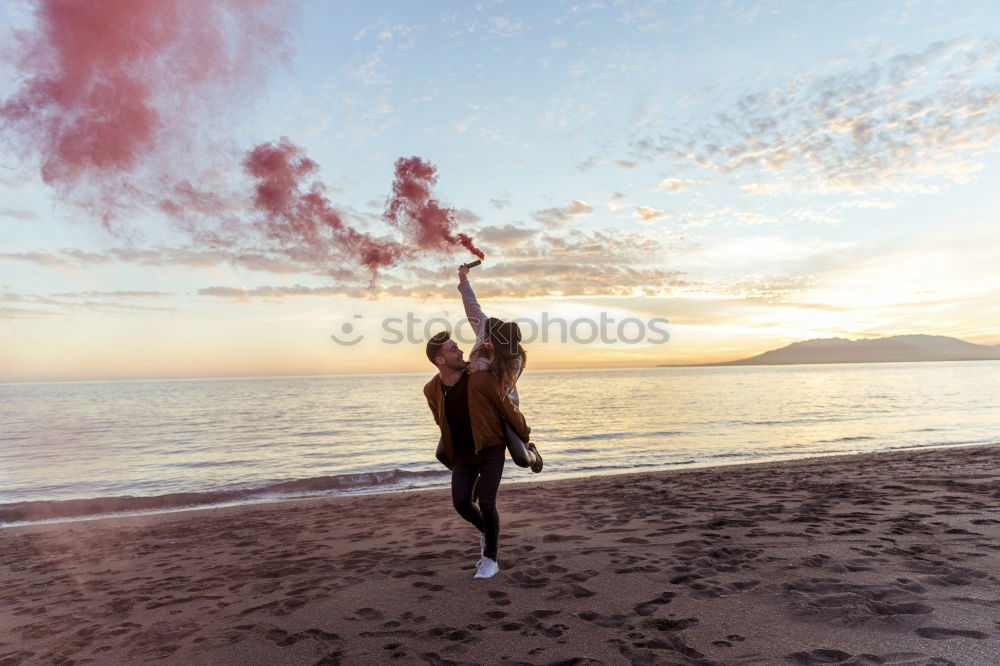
{"points": [[294, 213], [411, 208]]}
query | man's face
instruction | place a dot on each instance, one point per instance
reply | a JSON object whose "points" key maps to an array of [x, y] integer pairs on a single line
{"points": [[452, 356]]}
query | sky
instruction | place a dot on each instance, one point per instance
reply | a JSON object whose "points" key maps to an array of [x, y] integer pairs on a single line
{"points": [[724, 177]]}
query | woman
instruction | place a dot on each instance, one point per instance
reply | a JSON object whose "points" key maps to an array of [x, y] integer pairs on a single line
{"points": [[498, 350]]}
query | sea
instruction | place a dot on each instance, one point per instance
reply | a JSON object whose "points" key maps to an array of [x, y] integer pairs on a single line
{"points": [[75, 450]]}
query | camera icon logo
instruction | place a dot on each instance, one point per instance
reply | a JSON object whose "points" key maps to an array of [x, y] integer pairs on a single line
{"points": [[347, 330]]}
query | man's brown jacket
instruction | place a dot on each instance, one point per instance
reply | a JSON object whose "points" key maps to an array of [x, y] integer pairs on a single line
{"points": [[489, 406]]}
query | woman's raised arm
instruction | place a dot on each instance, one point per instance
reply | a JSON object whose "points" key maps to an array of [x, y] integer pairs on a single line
{"points": [[473, 311]]}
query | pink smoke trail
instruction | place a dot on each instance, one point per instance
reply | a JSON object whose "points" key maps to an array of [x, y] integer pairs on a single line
{"points": [[294, 211], [412, 209]]}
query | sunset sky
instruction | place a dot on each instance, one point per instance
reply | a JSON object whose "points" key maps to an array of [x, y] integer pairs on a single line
{"points": [[756, 173]]}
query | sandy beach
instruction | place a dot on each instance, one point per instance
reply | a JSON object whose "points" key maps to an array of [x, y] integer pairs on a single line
{"points": [[890, 558]]}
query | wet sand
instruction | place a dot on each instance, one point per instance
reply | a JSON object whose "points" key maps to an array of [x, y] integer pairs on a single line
{"points": [[890, 558]]}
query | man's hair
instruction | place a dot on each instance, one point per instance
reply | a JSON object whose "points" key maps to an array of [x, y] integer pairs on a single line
{"points": [[434, 345]]}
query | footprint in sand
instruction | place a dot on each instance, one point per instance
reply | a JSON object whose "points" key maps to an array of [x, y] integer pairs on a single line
{"points": [[570, 590], [453, 634], [330, 659], [633, 539], [649, 607], [580, 576], [830, 656], [665, 624], [821, 656], [940, 633], [368, 614], [282, 638], [499, 598], [560, 538], [608, 622], [529, 578]]}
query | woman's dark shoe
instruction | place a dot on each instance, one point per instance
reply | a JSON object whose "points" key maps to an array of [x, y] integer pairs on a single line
{"points": [[536, 467]]}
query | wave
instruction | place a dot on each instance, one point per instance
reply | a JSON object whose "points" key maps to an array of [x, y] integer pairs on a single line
{"points": [[928, 445], [602, 435], [19, 512], [620, 435]]}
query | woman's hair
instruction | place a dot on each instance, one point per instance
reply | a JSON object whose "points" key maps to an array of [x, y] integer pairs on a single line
{"points": [[506, 339]]}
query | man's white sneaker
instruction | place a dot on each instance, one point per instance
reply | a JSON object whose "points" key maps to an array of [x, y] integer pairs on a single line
{"points": [[487, 568]]}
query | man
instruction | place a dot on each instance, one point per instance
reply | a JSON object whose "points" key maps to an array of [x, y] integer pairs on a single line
{"points": [[470, 410]]}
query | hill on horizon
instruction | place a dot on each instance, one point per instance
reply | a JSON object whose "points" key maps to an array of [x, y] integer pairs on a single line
{"points": [[896, 348]]}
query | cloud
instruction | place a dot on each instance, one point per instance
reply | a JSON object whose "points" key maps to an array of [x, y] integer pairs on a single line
{"points": [[748, 218], [23, 215], [579, 10], [560, 216], [384, 31], [506, 236], [813, 216], [648, 215], [244, 295], [868, 203], [502, 201], [466, 217], [906, 122], [502, 26], [64, 303], [754, 189], [64, 259], [626, 164], [772, 287], [584, 264], [726, 215], [181, 256], [289, 260], [575, 264], [527, 262], [111, 294], [616, 202], [677, 184], [23, 313]]}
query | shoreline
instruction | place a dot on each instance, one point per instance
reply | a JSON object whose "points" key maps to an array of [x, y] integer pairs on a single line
{"points": [[890, 557], [508, 480]]}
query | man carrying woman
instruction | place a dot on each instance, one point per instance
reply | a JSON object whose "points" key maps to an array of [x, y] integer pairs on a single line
{"points": [[475, 405]]}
